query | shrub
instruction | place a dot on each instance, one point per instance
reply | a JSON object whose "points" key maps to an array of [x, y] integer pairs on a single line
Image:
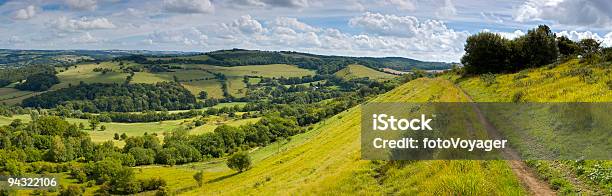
{"points": [[240, 161], [488, 79], [518, 96], [609, 83], [72, 190], [199, 178]]}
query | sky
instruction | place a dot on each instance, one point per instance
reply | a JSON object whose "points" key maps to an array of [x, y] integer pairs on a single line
{"points": [[431, 30]]}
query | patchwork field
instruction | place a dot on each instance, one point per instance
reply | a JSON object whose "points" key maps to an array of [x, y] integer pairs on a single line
{"points": [[272, 70], [85, 73], [181, 75]]}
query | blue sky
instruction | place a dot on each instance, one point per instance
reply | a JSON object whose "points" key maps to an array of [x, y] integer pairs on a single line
{"points": [[427, 30]]}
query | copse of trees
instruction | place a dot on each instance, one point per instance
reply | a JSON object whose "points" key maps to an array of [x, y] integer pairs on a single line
{"points": [[99, 97], [488, 52], [38, 82]]}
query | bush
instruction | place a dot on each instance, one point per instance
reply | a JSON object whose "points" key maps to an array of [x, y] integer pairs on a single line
{"points": [[518, 96], [488, 79], [72, 190], [609, 83], [142, 156], [152, 184], [240, 161], [199, 178]]}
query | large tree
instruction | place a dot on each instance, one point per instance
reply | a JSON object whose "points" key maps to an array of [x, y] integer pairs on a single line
{"points": [[537, 48], [486, 52]]}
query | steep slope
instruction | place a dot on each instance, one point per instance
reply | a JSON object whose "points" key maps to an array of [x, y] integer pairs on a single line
{"points": [[329, 162], [571, 81]]}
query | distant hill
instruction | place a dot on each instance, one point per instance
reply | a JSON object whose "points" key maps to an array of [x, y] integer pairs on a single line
{"points": [[20, 58], [321, 63]]}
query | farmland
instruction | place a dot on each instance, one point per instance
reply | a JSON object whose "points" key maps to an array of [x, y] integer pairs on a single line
{"points": [[360, 71]]}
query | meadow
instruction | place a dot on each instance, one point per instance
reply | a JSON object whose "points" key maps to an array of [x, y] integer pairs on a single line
{"points": [[359, 71], [570, 81]]}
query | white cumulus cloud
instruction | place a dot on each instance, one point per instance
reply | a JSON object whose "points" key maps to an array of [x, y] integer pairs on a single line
{"points": [[89, 5], [83, 23], [245, 24], [408, 5], [188, 6], [25, 13]]}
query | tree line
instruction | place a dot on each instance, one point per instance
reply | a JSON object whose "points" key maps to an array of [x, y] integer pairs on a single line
{"points": [[99, 97]]}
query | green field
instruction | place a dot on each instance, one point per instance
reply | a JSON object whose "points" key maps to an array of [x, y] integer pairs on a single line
{"points": [[236, 86], [359, 71], [182, 75], [213, 123], [272, 70], [85, 73], [212, 87]]}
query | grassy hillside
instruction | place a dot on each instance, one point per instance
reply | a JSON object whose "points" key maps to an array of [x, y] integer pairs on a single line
{"points": [[567, 82], [327, 160], [571, 81], [359, 71]]}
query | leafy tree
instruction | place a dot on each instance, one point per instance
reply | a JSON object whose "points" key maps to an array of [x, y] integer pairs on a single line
{"points": [[143, 156], [93, 123], [537, 48], [203, 95], [102, 128], [116, 137], [589, 46], [58, 151], [567, 47], [239, 161], [124, 136], [486, 52], [199, 178]]}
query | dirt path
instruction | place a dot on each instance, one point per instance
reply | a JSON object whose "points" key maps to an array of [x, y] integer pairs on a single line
{"points": [[527, 177]]}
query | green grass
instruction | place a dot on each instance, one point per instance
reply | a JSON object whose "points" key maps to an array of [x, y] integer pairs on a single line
{"points": [[571, 81], [213, 123], [359, 71], [236, 86], [546, 84], [326, 160], [13, 96], [272, 70], [212, 87], [182, 75], [85, 73]]}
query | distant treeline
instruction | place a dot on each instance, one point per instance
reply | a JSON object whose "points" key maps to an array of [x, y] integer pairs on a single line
{"points": [[322, 64], [10, 75]]}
